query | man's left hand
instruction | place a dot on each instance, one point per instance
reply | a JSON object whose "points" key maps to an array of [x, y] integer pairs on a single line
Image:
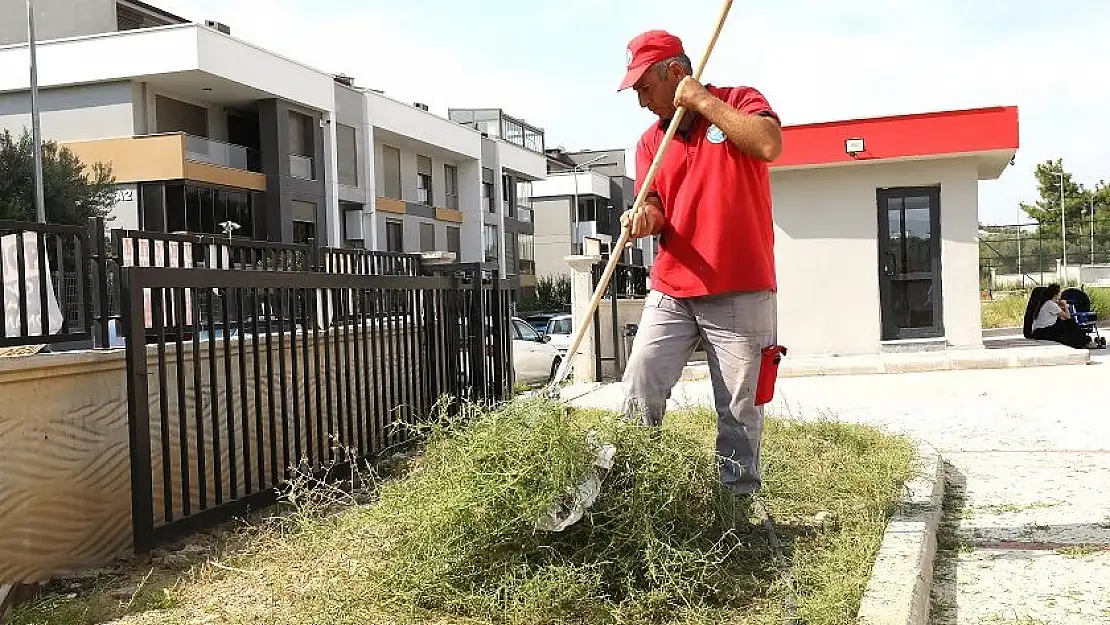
{"points": [[691, 94]]}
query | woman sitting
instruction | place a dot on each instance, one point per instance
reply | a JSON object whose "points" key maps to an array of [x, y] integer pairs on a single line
{"points": [[1047, 318]]}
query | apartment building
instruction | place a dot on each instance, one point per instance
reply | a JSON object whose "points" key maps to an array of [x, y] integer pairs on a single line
{"points": [[513, 161], [583, 197], [202, 129]]}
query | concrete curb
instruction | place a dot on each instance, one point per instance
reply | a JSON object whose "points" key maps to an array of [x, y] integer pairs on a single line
{"points": [[948, 360], [902, 577]]}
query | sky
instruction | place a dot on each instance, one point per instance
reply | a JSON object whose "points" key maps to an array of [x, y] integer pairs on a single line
{"points": [[557, 64]]}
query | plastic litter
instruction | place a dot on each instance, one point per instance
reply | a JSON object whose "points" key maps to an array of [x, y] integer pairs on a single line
{"points": [[570, 510]]}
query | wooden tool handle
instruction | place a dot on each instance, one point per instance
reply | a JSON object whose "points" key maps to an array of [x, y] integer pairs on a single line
{"points": [[626, 232]]}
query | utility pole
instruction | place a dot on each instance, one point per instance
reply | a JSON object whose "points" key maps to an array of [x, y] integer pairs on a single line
{"points": [[1092, 260], [1063, 224], [36, 131]]}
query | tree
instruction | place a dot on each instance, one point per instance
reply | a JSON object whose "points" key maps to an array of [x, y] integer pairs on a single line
{"points": [[1046, 211], [73, 191], [552, 293]]}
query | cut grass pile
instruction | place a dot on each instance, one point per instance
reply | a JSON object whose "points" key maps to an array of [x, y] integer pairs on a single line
{"points": [[452, 540]]}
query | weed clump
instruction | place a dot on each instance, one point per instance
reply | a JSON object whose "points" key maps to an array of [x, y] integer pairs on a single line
{"points": [[459, 534]]}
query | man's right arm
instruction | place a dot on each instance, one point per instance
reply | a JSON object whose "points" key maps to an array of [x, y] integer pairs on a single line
{"points": [[650, 218]]}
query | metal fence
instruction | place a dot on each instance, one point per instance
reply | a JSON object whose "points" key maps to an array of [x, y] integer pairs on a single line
{"points": [[225, 405], [1031, 254], [46, 273], [80, 292], [627, 282]]}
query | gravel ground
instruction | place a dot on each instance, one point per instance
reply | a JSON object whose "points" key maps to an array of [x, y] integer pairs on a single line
{"points": [[1028, 522]]}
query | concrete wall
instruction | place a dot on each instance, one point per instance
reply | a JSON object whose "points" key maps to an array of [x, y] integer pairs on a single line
{"points": [[73, 113], [827, 253], [55, 19], [65, 470]]}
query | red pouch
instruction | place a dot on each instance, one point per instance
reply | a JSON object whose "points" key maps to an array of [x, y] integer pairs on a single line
{"points": [[769, 360]]}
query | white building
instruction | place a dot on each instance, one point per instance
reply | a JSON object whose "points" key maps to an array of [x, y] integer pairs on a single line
{"points": [[201, 127], [876, 225]]}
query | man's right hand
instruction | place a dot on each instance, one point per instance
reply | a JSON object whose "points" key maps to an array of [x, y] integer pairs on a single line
{"points": [[648, 221]]}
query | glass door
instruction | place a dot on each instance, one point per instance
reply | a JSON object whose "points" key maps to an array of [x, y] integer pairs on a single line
{"points": [[909, 263]]}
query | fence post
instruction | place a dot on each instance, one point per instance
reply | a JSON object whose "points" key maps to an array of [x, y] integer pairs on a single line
{"points": [[102, 313], [138, 413], [582, 289], [478, 345]]}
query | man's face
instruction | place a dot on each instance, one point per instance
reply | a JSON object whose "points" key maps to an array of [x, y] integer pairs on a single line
{"points": [[656, 89]]}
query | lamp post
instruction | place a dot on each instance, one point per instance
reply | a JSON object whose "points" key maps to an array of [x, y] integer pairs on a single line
{"points": [[36, 132], [1092, 259], [1063, 224]]}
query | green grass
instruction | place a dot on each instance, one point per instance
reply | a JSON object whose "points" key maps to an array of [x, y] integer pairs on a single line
{"points": [[451, 539], [1005, 312], [1009, 311]]}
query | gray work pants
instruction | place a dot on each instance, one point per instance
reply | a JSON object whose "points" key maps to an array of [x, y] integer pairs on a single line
{"points": [[735, 328]]}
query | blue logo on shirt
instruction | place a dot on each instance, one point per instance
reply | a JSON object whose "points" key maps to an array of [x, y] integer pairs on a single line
{"points": [[715, 134]]}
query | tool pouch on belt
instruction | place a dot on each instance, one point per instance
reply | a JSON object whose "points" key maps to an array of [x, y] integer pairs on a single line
{"points": [[769, 360]]}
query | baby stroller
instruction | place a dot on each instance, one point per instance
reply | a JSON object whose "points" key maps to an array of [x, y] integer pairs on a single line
{"points": [[1079, 304]]}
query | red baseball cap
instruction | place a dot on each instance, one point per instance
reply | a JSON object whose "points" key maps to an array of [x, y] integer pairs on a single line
{"points": [[647, 49]]}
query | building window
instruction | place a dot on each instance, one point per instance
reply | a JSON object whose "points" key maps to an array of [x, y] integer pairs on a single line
{"points": [[587, 209], [427, 237], [347, 153], [176, 207], [492, 244], [302, 146], [454, 240], [526, 254], [524, 200], [451, 186], [391, 172], [303, 232], [487, 190], [394, 236], [507, 195], [304, 221], [424, 193], [512, 253]]}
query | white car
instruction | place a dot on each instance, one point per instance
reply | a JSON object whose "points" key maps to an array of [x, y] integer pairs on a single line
{"points": [[560, 329], [534, 359]]}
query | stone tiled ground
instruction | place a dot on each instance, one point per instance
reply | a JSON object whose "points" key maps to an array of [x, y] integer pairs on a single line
{"points": [[1027, 538]]}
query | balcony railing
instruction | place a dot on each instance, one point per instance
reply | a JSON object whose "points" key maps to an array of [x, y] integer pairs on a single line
{"points": [[303, 167], [213, 152]]}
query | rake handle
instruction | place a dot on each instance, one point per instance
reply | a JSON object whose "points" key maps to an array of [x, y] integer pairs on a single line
{"points": [[626, 231]]}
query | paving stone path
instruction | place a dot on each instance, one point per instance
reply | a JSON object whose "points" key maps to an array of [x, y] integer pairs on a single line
{"points": [[1026, 539]]}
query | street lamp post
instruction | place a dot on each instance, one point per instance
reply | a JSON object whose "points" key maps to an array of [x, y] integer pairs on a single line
{"points": [[36, 132], [1063, 224], [1092, 259]]}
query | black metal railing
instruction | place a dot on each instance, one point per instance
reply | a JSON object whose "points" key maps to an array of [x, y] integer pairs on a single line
{"points": [[83, 284], [227, 396], [627, 282], [45, 294]]}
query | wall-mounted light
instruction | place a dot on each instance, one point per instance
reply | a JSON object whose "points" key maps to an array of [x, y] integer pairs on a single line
{"points": [[854, 146]]}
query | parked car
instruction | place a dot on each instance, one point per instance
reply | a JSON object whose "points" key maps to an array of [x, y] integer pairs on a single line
{"points": [[534, 359], [560, 330], [540, 320]]}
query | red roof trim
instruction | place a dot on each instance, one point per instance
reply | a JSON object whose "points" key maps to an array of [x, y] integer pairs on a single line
{"points": [[940, 133]]}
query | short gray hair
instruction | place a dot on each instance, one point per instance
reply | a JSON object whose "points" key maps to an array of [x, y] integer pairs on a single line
{"points": [[681, 59]]}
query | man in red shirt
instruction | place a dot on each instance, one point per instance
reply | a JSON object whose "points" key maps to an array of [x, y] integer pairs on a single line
{"points": [[714, 278]]}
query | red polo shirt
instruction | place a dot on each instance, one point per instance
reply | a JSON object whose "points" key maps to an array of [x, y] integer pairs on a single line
{"points": [[719, 235]]}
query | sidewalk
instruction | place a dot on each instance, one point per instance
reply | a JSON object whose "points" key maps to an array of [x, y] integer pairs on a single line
{"points": [[1029, 450]]}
